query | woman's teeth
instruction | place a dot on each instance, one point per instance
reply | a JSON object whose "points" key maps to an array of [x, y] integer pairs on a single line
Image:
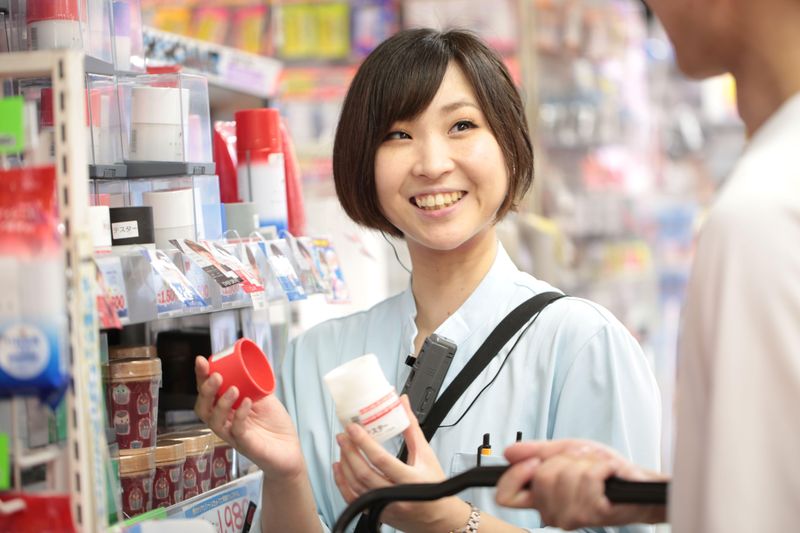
{"points": [[432, 202]]}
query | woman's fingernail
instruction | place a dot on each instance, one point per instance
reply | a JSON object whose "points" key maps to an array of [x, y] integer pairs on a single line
{"points": [[231, 393]]}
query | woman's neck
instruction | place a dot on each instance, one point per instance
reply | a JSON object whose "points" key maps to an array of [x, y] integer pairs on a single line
{"points": [[442, 281]]}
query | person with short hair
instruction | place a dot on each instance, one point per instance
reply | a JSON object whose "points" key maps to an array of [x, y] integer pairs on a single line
{"points": [[432, 146], [737, 466]]}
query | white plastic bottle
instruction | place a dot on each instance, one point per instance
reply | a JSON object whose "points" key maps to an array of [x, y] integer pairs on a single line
{"points": [[364, 396]]}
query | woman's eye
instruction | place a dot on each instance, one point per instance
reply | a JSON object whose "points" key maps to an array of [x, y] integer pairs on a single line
{"points": [[395, 135], [463, 125]]}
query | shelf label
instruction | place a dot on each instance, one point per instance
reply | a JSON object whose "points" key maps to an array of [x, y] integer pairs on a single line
{"points": [[12, 125], [5, 463]]}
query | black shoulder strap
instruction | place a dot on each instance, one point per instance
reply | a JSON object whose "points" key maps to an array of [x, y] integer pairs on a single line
{"points": [[498, 338]]}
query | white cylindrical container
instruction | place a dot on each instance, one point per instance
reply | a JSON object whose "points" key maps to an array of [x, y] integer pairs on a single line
{"points": [[364, 396], [158, 118], [173, 215], [54, 24], [100, 224]]}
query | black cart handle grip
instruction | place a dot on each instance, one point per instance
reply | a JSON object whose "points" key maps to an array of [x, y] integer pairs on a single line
{"points": [[617, 491]]}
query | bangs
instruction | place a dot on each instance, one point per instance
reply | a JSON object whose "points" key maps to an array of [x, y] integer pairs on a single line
{"points": [[412, 77]]}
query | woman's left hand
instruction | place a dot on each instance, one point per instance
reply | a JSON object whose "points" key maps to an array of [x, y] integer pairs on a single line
{"points": [[365, 465]]}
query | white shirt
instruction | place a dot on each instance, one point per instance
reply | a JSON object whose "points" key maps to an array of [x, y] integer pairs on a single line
{"points": [[577, 372], [737, 462]]}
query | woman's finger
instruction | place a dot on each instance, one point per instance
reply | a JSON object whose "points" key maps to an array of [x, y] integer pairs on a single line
{"points": [[361, 473], [341, 483], [222, 411], [238, 425], [207, 391], [513, 489], [387, 464]]}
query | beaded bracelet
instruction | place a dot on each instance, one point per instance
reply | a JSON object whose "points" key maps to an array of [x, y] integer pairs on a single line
{"points": [[472, 522]]}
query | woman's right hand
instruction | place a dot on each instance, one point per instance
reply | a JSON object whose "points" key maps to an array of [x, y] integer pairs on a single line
{"points": [[262, 431]]}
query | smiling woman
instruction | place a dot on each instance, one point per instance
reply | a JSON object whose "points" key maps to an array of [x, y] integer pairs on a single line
{"points": [[432, 145]]}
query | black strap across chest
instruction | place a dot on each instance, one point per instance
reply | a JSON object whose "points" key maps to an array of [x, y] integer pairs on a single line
{"points": [[497, 339]]}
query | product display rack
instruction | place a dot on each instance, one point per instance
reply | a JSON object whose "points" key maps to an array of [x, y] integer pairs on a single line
{"points": [[83, 455]]}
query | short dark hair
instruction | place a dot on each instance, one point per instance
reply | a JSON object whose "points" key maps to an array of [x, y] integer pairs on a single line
{"points": [[397, 81]]}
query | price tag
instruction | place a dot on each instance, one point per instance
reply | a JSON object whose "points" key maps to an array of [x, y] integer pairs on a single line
{"points": [[226, 512], [5, 463], [128, 229]]}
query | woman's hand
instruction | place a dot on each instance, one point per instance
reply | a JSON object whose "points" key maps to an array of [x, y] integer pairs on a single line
{"points": [[262, 431], [365, 465], [565, 481]]}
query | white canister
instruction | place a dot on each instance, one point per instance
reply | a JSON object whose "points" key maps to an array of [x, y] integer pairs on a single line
{"points": [[159, 116], [364, 396], [100, 224], [173, 215]]}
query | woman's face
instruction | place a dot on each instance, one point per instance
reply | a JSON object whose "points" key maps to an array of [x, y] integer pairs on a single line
{"points": [[441, 176]]}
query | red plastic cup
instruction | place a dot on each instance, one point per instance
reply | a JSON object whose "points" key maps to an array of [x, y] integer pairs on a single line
{"points": [[247, 367]]}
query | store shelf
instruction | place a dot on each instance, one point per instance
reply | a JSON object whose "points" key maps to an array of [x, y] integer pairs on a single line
{"points": [[157, 169], [224, 507], [224, 67], [108, 171]]}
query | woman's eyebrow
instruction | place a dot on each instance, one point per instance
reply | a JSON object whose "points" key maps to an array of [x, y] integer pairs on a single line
{"points": [[458, 104]]}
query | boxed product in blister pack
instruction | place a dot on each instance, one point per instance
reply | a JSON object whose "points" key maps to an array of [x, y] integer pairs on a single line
{"points": [[33, 306], [278, 256]]}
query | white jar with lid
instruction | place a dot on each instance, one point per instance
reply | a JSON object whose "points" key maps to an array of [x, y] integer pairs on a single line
{"points": [[364, 396]]}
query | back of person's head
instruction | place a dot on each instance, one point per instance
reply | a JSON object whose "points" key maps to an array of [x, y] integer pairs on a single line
{"points": [[398, 81]]}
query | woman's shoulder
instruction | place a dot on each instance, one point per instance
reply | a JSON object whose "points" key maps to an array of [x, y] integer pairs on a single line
{"points": [[352, 326]]}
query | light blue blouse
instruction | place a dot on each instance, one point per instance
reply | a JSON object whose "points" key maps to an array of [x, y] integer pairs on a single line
{"points": [[577, 372]]}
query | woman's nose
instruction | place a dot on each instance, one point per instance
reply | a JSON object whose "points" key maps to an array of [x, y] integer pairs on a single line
{"points": [[433, 159]]}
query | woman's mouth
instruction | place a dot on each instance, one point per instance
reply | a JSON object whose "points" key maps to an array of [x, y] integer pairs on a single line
{"points": [[434, 202]]}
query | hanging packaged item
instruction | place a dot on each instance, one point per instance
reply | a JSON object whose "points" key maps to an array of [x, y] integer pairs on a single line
{"points": [[327, 261], [32, 305], [261, 167]]}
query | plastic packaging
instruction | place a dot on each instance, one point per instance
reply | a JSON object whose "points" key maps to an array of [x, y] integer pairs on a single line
{"points": [[158, 118], [241, 217], [245, 366], [364, 396], [199, 446], [132, 391], [261, 168], [168, 481], [136, 473]]}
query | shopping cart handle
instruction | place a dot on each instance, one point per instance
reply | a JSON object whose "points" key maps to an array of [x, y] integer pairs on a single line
{"points": [[617, 490]]}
